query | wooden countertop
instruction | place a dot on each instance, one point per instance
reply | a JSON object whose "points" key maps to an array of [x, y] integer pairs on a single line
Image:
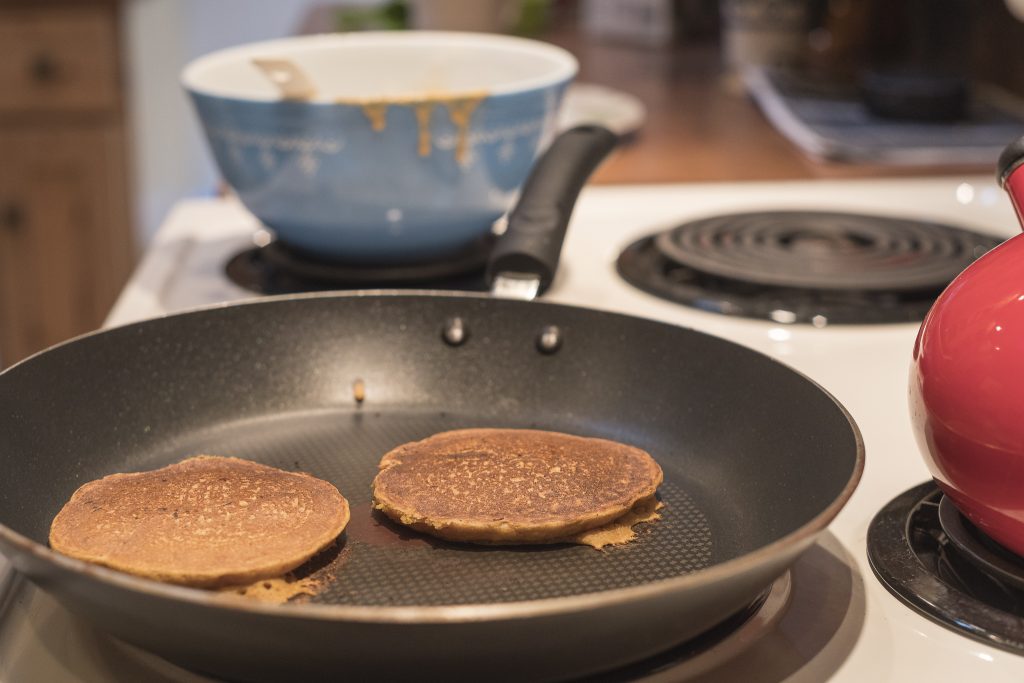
{"points": [[701, 125]]}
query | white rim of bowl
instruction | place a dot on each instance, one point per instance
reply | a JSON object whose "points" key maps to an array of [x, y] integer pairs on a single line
{"points": [[564, 64]]}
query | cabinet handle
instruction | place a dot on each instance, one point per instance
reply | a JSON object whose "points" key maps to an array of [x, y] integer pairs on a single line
{"points": [[43, 68], [12, 218]]}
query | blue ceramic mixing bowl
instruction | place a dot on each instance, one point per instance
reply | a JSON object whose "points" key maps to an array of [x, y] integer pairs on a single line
{"points": [[410, 147]]}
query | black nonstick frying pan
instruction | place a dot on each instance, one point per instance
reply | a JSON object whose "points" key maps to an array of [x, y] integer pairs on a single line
{"points": [[757, 460]]}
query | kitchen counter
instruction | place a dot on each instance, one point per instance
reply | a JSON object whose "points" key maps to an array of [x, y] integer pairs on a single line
{"points": [[701, 125]]}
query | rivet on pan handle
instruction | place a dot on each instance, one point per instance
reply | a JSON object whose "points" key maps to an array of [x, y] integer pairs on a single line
{"points": [[525, 259]]}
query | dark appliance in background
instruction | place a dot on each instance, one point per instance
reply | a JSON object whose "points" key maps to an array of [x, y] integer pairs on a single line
{"points": [[912, 83], [916, 66], [913, 59]]}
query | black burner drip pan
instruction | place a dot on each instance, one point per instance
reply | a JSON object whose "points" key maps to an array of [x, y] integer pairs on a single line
{"points": [[994, 560], [917, 560], [278, 269], [812, 267]]}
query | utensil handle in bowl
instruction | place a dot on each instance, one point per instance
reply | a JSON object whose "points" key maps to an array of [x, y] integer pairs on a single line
{"points": [[1010, 176], [532, 242]]}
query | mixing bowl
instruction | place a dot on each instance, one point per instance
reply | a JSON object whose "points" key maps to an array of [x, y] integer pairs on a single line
{"points": [[408, 148]]}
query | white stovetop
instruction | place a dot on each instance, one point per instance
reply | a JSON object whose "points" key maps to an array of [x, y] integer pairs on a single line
{"points": [[865, 367]]}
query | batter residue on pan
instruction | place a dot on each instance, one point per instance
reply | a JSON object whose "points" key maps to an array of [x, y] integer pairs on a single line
{"points": [[518, 486], [300, 584], [623, 529]]}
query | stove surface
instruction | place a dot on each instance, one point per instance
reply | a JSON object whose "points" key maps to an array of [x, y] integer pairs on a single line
{"points": [[818, 267], [840, 624]]}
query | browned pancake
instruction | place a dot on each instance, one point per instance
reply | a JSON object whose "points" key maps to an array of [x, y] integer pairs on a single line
{"points": [[205, 521], [511, 485]]}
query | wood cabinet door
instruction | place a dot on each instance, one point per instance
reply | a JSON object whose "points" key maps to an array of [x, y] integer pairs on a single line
{"points": [[65, 248], [59, 58]]}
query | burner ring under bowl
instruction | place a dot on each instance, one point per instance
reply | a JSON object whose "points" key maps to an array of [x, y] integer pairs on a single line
{"points": [[280, 255], [275, 268]]}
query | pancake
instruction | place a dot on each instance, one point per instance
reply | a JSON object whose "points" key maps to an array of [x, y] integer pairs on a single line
{"points": [[512, 486], [206, 521]]}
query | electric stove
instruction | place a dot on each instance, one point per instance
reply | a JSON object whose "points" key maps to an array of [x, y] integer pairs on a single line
{"points": [[829, 618]]}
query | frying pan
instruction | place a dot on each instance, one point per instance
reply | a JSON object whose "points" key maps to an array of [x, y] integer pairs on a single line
{"points": [[757, 460]]}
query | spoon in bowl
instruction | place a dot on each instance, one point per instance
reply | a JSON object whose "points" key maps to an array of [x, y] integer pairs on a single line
{"points": [[290, 80]]}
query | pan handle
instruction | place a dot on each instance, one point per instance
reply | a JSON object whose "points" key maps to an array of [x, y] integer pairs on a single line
{"points": [[532, 243]]}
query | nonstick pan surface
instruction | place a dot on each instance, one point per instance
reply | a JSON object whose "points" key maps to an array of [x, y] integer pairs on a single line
{"points": [[757, 460]]}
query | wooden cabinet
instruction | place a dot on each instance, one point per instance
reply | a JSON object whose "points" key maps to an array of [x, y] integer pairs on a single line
{"points": [[66, 244]]}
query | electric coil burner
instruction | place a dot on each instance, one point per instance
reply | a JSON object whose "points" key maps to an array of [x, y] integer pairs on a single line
{"points": [[275, 268], [804, 266], [934, 560]]}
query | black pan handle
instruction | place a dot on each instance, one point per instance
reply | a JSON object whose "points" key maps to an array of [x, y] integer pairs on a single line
{"points": [[533, 239]]}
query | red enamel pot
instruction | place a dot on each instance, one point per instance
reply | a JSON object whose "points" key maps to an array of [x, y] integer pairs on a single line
{"points": [[967, 382]]}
